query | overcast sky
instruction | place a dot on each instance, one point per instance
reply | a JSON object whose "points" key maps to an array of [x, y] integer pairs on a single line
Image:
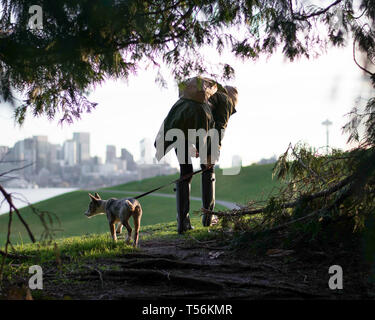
{"points": [[279, 102]]}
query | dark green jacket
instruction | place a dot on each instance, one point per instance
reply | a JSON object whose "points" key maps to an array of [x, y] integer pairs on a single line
{"points": [[222, 108], [188, 114]]}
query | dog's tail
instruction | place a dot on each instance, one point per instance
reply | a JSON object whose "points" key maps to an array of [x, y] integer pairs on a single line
{"points": [[132, 207]]}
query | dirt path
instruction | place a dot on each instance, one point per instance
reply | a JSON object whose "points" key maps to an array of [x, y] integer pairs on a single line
{"points": [[182, 269]]}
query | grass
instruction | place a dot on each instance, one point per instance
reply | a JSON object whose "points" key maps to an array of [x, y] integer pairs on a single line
{"points": [[69, 210], [252, 182], [74, 254], [93, 246], [68, 254]]}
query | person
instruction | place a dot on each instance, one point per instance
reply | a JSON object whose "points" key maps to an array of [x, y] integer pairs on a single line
{"points": [[188, 114]]}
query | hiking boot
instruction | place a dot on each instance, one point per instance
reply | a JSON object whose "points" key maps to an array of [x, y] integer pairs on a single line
{"points": [[183, 206]]}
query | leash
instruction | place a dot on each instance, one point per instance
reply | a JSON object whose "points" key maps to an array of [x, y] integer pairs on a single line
{"points": [[187, 176]]}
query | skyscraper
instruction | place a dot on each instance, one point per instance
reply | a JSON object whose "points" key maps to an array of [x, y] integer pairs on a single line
{"points": [[27, 152], [19, 151], [126, 155], [42, 150], [146, 151], [70, 152], [110, 154], [82, 140]]}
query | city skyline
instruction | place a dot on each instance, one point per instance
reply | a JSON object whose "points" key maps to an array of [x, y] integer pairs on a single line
{"points": [[34, 161], [81, 153]]}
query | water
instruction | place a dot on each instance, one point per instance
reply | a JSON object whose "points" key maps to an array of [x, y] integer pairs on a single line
{"points": [[22, 196]]}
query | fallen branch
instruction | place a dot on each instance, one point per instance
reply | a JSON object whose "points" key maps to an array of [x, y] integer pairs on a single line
{"points": [[335, 204], [292, 204]]}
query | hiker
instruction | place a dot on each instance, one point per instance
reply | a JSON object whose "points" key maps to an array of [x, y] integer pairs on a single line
{"points": [[188, 114]]}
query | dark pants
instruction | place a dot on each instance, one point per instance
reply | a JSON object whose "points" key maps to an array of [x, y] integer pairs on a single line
{"points": [[183, 194]]}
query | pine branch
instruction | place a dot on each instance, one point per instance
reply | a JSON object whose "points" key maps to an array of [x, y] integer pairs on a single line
{"points": [[334, 205], [356, 62]]}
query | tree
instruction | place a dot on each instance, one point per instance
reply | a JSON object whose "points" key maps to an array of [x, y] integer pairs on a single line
{"points": [[85, 42]]}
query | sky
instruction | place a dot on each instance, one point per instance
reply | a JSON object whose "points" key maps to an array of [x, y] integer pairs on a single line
{"points": [[279, 103]]}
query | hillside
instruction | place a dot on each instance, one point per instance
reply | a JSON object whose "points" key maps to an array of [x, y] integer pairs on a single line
{"points": [[253, 182], [203, 263], [69, 208], [210, 262]]}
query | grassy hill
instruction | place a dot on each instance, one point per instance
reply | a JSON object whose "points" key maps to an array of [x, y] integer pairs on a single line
{"points": [[251, 183]]}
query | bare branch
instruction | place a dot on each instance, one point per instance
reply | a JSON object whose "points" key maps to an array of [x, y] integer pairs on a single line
{"points": [[318, 13], [8, 197], [15, 169]]}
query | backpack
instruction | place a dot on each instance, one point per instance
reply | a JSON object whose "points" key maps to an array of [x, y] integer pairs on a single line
{"points": [[198, 89]]}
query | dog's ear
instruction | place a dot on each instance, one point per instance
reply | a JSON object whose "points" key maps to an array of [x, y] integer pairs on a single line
{"points": [[130, 205], [93, 197], [97, 196]]}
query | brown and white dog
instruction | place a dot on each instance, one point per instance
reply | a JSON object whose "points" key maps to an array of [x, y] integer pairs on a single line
{"points": [[117, 211]]}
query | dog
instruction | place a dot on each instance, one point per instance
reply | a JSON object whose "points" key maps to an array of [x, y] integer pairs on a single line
{"points": [[117, 211]]}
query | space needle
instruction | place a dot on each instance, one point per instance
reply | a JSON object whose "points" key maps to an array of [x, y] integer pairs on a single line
{"points": [[327, 123]]}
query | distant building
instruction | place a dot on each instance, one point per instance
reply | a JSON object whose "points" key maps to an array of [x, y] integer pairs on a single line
{"points": [[120, 164], [273, 159], [18, 151], [3, 151], [26, 150], [152, 170], [83, 146], [128, 157], [70, 164], [55, 153], [96, 160], [107, 169], [70, 152], [110, 154], [146, 151], [42, 151]]}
